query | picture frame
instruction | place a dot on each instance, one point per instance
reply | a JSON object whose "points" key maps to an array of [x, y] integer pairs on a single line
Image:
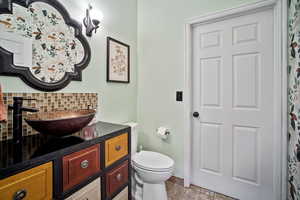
{"points": [[118, 61]]}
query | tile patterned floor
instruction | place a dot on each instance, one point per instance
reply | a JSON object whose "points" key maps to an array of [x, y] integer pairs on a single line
{"points": [[176, 191]]}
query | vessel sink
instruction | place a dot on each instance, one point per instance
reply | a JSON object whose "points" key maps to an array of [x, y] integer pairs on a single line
{"points": [[60, 123]]}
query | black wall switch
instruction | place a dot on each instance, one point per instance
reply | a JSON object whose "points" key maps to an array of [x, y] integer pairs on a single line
{"points": [[179, 96]]}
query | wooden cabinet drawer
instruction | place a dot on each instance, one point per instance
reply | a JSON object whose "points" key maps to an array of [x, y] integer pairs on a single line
{"points": [[33, 184], [80, 165], [116, 148], [89, 192], [116, 178], [122, 195]]}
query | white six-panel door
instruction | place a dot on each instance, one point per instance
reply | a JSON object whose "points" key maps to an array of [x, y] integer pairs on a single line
{"points": [[233, 74]]}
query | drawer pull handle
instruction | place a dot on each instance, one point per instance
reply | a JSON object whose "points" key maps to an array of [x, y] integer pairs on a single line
{"points": [[19, 195], [84, 164], [118, 148], [119, 177]]}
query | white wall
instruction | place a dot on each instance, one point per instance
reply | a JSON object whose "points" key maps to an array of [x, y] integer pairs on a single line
{"points": [[161, 68], [117, 102]]}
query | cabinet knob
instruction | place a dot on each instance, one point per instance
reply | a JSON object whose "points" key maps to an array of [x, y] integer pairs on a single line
{"points": [[196, 114], [118, 148], [84, 164], [19, 195], [119, 177]]}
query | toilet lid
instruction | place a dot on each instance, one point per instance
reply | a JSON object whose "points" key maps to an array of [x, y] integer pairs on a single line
{"points": [[153, 161]]}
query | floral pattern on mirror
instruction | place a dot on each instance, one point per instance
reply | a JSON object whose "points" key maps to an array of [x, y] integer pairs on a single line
{"points": [[56, 50], [294, 101]]}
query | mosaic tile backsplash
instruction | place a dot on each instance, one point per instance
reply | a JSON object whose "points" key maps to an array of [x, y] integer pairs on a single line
{"points": [[46, 102]]}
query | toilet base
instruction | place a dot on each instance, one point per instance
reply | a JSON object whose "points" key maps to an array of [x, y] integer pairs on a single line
{"points": [[137, 187], [154, 191]]}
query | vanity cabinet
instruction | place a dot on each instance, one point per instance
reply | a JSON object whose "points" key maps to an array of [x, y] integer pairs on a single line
{"points": [[82, 165], [94, 165], [33, 184]]}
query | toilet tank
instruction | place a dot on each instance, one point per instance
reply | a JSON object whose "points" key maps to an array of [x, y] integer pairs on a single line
{"points": [[134, 136]]}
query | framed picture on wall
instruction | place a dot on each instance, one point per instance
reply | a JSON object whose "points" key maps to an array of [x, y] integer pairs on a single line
{"points": [[118, 61]]}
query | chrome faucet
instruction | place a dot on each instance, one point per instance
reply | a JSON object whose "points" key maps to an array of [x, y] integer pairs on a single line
{"points": [[18, 110]]}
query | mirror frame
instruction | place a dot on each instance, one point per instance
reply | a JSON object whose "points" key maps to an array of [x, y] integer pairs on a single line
{"points": [[7, 67]]}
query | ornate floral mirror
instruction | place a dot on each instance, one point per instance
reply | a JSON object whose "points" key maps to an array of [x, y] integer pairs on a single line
{"points": [[41, 44]]}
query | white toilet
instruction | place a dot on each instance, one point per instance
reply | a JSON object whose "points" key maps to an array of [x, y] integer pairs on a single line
{"points": [[152, 168]]}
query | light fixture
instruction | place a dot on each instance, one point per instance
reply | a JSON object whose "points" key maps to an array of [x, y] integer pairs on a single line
{"points": [[90, 24]]}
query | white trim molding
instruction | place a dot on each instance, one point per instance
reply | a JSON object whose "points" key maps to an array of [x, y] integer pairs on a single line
{"points": [[279, 8]]}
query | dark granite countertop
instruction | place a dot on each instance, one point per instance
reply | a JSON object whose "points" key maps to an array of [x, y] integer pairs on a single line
{"points": [[40, 148]]}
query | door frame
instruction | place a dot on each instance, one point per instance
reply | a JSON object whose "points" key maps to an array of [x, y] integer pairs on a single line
{"points": [[279, 8]]}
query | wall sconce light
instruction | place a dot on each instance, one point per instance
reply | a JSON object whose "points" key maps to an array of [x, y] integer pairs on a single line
{"points": [[90, 24]]}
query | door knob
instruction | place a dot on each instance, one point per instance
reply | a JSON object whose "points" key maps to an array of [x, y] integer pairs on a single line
{"points": [[196, 114]]}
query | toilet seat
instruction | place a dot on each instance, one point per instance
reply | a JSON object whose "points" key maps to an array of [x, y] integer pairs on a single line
{"points": [[152, 170], [153, 161]]}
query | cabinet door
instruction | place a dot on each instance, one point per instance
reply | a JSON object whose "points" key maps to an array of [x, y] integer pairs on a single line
{"points": [[33, 184], [116, 178], [116, 148], [80, 165], [122, 195], [90, 192]]}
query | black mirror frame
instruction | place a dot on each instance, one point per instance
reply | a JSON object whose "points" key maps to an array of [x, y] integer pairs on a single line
{"points": [[7, 68]]}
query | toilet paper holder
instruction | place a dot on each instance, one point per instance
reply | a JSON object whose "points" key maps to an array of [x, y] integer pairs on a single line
{"points": [[167, 131], [163, 132]]}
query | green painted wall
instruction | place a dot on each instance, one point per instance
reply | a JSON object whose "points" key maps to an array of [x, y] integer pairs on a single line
{"points": [[117, 101], [161, 68], [157, 26]]}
